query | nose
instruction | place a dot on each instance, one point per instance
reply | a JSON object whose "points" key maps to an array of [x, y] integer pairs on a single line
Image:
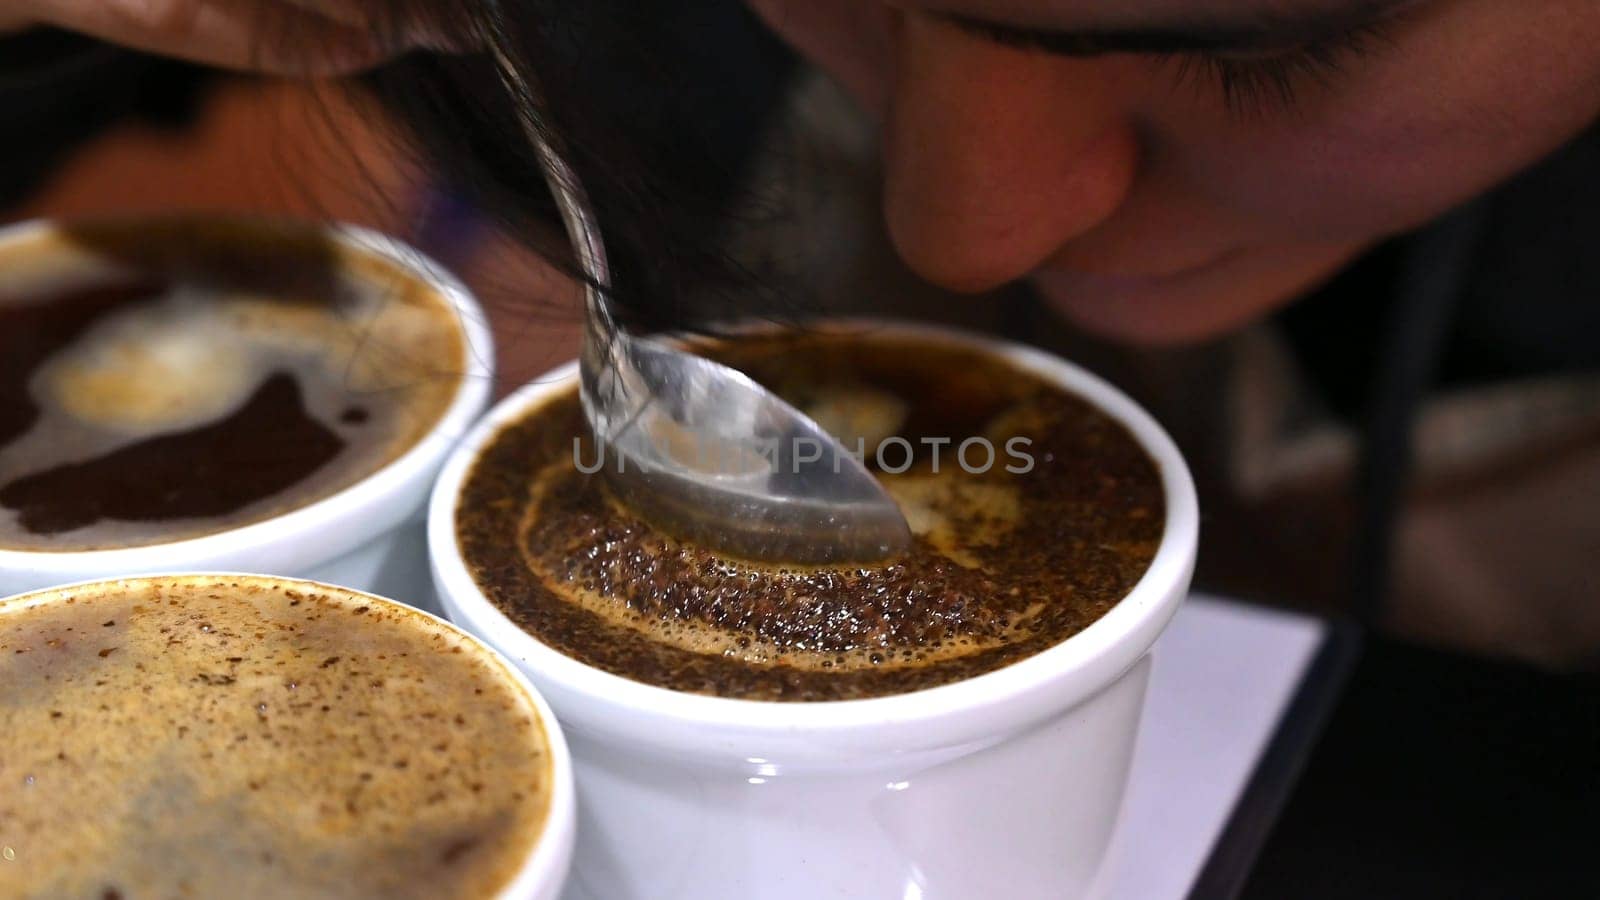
{"points": [[996, 156]]}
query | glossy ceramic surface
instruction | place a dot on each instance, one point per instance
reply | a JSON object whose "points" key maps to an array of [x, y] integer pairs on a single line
{"points": [[1003, 785]]}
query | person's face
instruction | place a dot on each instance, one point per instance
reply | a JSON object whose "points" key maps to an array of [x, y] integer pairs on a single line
{"points": [[1164, 170]]}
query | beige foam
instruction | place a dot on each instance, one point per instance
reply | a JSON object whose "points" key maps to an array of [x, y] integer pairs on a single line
{"points": [[191, 357], [858, 416], [155, 368], [247, 737], [932, 504]]}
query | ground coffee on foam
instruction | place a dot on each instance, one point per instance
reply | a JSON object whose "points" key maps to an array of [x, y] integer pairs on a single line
{"points": [[1005, 564], [248, 737]]}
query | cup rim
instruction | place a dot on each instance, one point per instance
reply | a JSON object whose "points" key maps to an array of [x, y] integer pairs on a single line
{"points": [[345, 508], [545, 867], [1052, 679]]}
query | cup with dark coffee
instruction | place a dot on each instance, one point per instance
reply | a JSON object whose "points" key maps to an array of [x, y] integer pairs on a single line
{"points": [[248, 736], [955, 722], [215, 393]]}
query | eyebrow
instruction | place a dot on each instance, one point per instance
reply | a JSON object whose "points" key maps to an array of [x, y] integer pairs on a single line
{"points": [[1261, 31]]}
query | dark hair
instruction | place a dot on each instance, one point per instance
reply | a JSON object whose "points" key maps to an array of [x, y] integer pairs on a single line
{"points": [[657, 110]]}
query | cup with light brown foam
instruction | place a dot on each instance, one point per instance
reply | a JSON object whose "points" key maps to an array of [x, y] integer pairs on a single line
{"points": [[238, 735], [201, 392]]}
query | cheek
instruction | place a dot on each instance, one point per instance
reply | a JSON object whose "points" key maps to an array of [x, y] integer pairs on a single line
{"points": [[1454, 104]]}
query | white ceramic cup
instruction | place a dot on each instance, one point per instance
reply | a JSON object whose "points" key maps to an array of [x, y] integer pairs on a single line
{"points": [[369, 536], [1003, 785], [544, 871]]}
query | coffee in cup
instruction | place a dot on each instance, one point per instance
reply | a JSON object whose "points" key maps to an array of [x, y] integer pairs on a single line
{"points": [[1033, 512], [249, 736], [170, 379]]}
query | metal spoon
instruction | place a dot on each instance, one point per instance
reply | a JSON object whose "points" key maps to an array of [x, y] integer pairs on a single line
{"points": [[698, 447]]}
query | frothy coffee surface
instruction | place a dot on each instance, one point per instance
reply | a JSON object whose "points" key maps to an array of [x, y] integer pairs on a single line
{"points": [[213, 737], [166, 380], [1005, 564]]}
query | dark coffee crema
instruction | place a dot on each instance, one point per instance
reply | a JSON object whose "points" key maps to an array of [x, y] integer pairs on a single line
{"points": [[169, 379], [202, 736], [1005, 564]]}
